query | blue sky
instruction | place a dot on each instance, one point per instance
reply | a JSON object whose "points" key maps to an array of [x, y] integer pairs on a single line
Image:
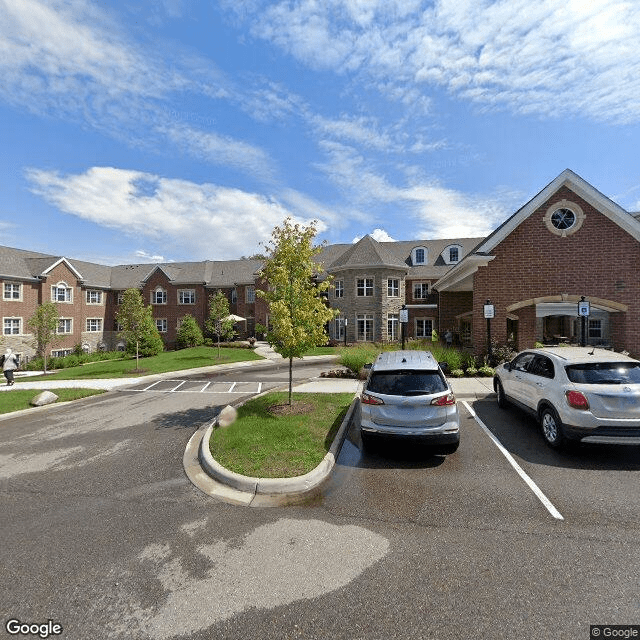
{"points": [[167, 130]]}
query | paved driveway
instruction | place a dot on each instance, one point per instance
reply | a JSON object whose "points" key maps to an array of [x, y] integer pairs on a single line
{"points": [[103, 533]]}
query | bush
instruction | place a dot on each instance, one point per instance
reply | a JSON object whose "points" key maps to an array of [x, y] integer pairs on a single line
{"points": [[471, 372], [486, 372], [189, 334], [354, 358], [457, 373]]}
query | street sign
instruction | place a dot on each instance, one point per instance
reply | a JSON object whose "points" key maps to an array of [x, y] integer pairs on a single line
{"points": [[404, 315], [584, 308], [489, 311]]}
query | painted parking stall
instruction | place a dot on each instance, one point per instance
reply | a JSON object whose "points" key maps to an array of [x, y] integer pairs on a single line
{"points": [[200, 386]]}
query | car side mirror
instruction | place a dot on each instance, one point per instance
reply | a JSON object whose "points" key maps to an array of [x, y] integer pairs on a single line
{"points": [[445, 367], [507, 366]]}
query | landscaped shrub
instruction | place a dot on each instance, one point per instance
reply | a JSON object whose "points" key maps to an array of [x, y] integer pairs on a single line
{"points": [[456, 373], [471, 372], [354, 358], [189, 334], [73, 360], [486, 372]]}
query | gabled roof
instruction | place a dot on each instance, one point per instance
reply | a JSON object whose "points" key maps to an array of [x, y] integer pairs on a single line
{"points": [[367, 252], [459, 277]]}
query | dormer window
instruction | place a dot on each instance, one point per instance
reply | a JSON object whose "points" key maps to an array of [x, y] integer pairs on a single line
{"points": [[452, 254], [419, 255]]}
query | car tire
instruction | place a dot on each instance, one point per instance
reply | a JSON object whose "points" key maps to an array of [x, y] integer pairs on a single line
{"points": [[500, 397], [551, 426]]}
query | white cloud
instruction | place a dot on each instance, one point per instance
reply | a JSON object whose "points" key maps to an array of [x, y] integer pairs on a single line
{"points": [[205, 221], [377, 234], [554, 57]]}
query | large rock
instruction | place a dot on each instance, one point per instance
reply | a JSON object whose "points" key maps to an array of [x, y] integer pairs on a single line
{"points": [[46, 397], [227, 416]]}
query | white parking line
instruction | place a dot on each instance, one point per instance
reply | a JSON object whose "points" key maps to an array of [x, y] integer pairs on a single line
{"points": [[204, 388], [530, 483], [232, 387], [176, 388], [152, 385]]}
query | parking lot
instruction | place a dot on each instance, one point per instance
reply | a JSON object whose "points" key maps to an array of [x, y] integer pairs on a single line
{"points": [[202, 386]]}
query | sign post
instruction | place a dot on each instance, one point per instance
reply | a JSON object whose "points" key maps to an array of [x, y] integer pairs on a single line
{"points": [[346, 322], [584, 310], [404, 318], [489, 312]]}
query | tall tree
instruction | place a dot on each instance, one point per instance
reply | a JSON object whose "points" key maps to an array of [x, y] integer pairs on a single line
{"points": [[137, 325], [297, 313], [44, 323], [218, 323]]}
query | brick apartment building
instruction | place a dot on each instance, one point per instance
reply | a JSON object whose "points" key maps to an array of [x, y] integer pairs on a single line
{"points": [[567, 242]]}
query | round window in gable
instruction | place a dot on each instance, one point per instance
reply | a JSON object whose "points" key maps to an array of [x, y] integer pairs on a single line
{"points": [[564, 218]]}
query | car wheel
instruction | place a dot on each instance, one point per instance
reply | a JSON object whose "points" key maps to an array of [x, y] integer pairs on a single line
{"points": [[502, 399], [551, 428]]}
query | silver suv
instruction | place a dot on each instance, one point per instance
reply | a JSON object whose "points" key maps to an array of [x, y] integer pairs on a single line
{"points": [[407, 395], [577, 393]]}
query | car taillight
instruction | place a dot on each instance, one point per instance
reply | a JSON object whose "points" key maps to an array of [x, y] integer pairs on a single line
{"points": [[444, 401], [365, 398], [577, 400]]}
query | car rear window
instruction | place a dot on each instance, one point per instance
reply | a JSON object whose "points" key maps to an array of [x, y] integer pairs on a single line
{"points": [[604, 373], [406, 382]]}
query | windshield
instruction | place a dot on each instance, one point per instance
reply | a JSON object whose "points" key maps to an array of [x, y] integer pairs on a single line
{"points": [[605, 373], [406, 383]]}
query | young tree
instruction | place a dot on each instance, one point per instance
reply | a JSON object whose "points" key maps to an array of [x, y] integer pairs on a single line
{"points": [[44, 323], [218, 323], [189, 334], [297, 313], [137, 326]]}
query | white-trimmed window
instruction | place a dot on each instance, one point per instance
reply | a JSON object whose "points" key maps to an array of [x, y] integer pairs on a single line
{"points": [[339, 289], [250, 295], [364, 287], [364, 327], [61, 353], [393, 322], [338, 332], [12, 291], [595, 328], [419, 255], [161, 325], [120, 297], [424, 327], [186, 296], [12, 326], [420, 290], [234, 296], [393, 288], [454, 254], [159, 296], [94, 324], [61, 292], [65, 326], [94, 296]]}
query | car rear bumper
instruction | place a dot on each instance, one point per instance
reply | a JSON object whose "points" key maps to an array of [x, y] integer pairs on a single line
{"points": [[605, 434], [448, 433]]}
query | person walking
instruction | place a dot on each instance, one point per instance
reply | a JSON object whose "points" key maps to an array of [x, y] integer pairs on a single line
{"points": [[9, 365]]}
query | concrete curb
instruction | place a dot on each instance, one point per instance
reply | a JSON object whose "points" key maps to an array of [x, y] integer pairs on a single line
{"points": [[275, 487]]}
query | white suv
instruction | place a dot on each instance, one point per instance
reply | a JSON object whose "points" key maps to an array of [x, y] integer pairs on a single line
{"points": [[577, 393]]}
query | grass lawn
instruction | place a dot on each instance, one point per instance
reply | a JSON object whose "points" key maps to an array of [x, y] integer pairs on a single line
{"points": [[162, 363], [264, 445], [15, 400], [322, 351]]}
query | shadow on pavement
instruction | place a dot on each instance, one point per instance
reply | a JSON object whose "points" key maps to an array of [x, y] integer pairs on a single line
{"points": [[189, 419], [520, 434]]}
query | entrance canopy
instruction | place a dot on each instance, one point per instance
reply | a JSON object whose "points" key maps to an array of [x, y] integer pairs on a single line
{"points": [[565, 309]]}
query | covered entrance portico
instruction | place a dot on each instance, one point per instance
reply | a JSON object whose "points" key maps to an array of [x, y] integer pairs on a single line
{"points": [[558, 321]]}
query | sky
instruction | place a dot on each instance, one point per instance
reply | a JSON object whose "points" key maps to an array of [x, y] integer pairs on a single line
{"points": [[181, 130]]}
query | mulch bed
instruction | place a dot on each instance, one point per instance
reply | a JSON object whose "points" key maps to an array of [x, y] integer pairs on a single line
{"points": [[294, 409]]}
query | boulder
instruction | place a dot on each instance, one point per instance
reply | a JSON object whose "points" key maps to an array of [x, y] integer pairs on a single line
{"points": [[227, 416], [46, 397]]}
